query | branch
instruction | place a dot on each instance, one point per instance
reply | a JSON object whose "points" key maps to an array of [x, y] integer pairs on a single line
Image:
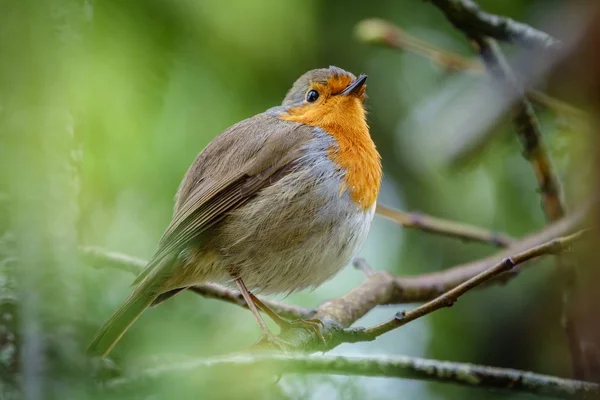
{"points": [[380, 32], [102, 258], [362, 265], [528, 129], [448, 299], [559, 106], [444, 227], [469, 18], [379, 288], [535, 151], [382, 288], [471, 375], [428, 286]]}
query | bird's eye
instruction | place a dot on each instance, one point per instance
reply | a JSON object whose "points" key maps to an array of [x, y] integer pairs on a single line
{"points": [[312, 96]]}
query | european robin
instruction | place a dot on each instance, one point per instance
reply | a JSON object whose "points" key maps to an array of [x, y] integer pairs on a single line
{"points": [[274, 204]]}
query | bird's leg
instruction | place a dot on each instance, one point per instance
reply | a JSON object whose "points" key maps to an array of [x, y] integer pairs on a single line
{"points": [[314, 324], [261, 323]]}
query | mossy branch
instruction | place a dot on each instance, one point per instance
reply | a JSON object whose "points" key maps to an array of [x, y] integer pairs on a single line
{"points": [[470, 375]]}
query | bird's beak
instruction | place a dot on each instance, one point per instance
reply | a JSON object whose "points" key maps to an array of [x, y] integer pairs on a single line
{"points": [[355, 86]]}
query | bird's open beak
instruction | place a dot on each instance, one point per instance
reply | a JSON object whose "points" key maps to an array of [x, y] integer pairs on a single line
{"points": [[355, 86]]}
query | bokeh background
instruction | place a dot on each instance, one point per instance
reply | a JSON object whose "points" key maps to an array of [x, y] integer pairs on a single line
{"points": [[106, 103]]}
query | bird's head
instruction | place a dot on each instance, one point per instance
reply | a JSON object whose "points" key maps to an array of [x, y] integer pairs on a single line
{"points": [[327, 96]]}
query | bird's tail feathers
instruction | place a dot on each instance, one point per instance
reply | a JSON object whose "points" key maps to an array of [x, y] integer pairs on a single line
{"points": [[141, 298]]}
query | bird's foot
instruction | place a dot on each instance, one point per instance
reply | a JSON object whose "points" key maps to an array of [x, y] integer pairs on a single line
{"points": [[314, 325], [267, 339]]}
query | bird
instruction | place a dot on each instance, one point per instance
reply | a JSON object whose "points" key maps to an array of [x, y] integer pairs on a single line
{"points": [[275, 204]]}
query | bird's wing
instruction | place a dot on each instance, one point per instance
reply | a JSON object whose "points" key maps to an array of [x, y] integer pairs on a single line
{"points": [[241, 161]]}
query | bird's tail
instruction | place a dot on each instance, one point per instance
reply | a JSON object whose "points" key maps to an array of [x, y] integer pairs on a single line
{"points": [[125, 316]]}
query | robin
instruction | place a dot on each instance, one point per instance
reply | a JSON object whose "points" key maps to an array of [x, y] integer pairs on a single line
{"points": [[277, 203]]}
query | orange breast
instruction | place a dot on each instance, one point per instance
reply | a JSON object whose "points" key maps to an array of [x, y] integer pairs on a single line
{"points": [[344, 118]]}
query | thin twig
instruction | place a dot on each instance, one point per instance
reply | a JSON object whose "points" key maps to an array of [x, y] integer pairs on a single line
{"points": [[444, 227], [380, 32], [362, 265], [470, 375], [468, 17], [448, 299], [559, 106], [425, 287]]}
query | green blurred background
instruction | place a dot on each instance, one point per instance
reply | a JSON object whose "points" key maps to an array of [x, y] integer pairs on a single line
{"points": [[124, 94]]}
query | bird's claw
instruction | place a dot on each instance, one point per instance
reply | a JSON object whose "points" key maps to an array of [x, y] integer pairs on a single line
{"points": [[267, 338], [315, 325]]}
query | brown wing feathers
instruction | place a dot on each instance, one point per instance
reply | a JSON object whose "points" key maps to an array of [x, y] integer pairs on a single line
{"points": [[205, 200]]}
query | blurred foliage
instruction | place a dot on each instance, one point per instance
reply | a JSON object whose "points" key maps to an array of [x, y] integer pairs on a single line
{"points": [[120, 96]]}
